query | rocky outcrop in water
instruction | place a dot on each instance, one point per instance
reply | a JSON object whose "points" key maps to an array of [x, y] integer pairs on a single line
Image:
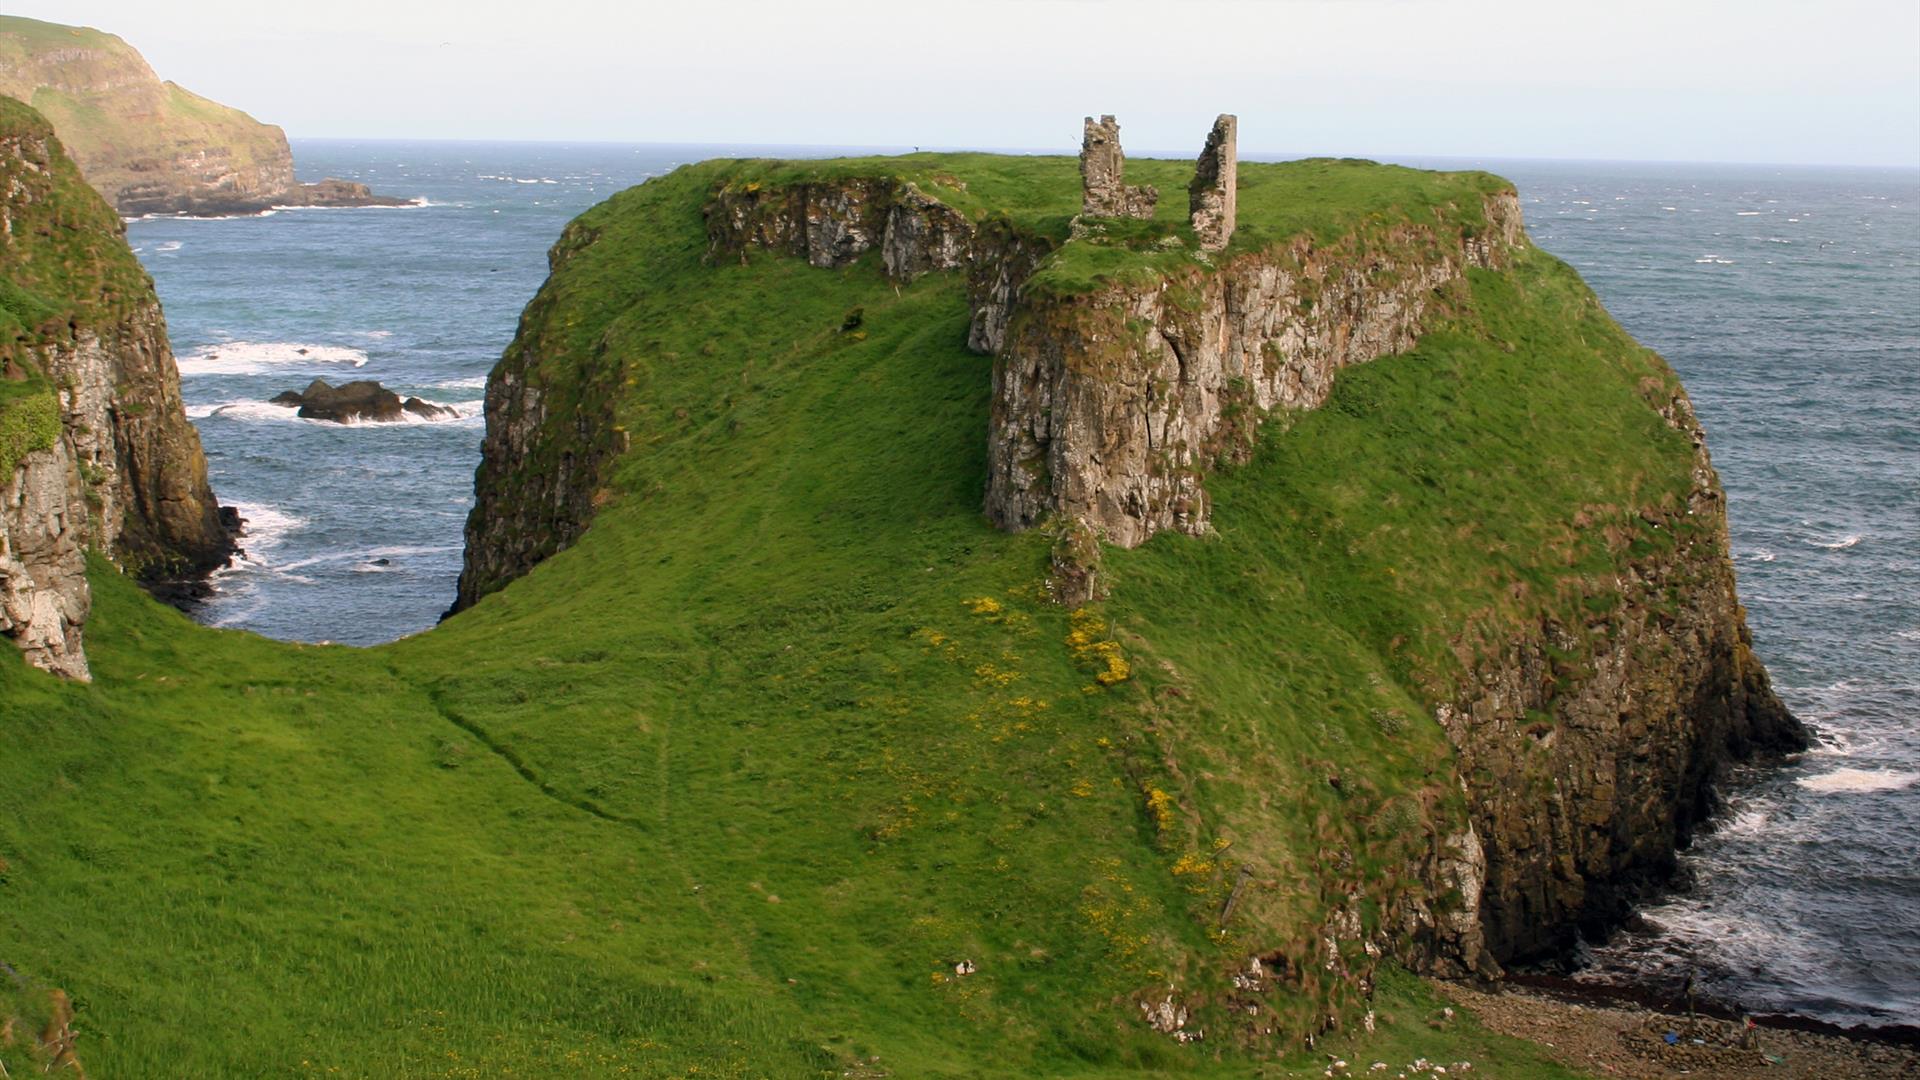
{"points": [[95, 447], [152, 147], [361, 400]]}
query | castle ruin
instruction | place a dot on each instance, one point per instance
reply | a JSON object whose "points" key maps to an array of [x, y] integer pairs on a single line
{"points": [[1211, 198], [1103, 166]]}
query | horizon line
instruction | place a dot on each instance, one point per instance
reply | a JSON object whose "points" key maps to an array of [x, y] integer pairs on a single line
{"points": [[1263, 156]]}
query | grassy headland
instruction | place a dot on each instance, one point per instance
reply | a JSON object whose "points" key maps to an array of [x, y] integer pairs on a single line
{"points": [[729, 787]]}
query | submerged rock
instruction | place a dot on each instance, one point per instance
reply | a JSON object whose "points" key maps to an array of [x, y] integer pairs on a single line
{"points": [[362, 399]]}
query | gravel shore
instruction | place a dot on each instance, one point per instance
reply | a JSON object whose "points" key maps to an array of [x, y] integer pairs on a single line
{"points": [[1619, 1041]]}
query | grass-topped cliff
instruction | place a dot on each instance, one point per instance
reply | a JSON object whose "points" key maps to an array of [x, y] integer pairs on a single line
{"points": [[62, 261], [144, 144], [731, 784]]}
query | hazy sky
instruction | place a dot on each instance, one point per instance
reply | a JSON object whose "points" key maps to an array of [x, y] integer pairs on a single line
{"points": [[1828, 81]]}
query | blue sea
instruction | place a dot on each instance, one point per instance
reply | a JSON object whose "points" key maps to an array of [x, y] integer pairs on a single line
{"points": [[1788, 299]]}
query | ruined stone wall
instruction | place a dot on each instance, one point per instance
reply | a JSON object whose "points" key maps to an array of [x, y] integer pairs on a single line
{"points": [[1103, 167], [1213, 197]]}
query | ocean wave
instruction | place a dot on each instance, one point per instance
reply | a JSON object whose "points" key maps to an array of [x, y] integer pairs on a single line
{"points": [[1841, 544], [255, 357], [1714, 259], [464, 382], [1859, 781], [1908, 635], [1761, 555], [265, 527]]}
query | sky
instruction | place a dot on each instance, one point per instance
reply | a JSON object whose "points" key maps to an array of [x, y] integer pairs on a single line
{"points": [[1778, 81]]}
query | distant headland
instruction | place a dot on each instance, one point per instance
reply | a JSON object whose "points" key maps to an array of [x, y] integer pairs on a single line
{"points": [[153, 147]]}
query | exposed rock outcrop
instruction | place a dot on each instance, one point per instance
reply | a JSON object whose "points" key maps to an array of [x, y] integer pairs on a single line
{"points": [[1213, 199], [152, 147], [1592, 752], [108, 459], [544, 456], [357, 401], [1110, 407]]}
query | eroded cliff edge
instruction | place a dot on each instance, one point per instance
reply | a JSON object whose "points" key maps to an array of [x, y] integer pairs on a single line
{"points": [[96, 451], [1130, 366]]}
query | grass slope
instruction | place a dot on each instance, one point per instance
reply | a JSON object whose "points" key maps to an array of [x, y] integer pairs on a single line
{"points": [[727, 788]]}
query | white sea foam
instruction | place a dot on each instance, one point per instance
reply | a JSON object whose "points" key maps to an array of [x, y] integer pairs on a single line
{"points": [[1859, 781], [1715, 260], [1748, 213], [1761, 555], [465, 382], [256, 357], [1841, 544], [266, 528], [1746, 821], [166, 247], [1908, 635]]}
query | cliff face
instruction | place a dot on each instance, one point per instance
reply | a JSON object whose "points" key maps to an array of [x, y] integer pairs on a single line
{"points": [[545, 451], [1110, 407], [95, 447], [1592, 751], [150, 146]]}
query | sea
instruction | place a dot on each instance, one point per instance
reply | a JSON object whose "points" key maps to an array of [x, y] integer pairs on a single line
{"points": [[1787, 297]]}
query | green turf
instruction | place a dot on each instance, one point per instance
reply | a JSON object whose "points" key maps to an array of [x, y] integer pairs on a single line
{"points": [[728, 787]]}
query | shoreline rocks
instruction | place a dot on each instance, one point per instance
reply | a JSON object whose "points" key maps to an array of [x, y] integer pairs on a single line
{"points": [[363, 400]]}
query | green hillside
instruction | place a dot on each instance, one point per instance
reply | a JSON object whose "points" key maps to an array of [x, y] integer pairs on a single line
{"points": [[145, 145], [729, 787]]}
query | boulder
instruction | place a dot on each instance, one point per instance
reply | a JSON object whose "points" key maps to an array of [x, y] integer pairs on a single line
{"points": [[360, 400]]}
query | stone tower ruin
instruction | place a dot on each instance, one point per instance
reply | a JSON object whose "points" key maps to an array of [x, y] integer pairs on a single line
{"points": [[1103, 166], [1213, 196]]}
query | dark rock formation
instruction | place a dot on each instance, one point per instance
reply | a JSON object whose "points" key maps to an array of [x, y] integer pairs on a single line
{"points": [[111, 462], [360, 400], [1581, 814], [332, 192], [1213, 197], [544, 455], [1103, 166]]}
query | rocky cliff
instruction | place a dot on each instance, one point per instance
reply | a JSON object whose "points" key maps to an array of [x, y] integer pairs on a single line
{"points": [[152, 147], [96, 451], [1593, 749]]}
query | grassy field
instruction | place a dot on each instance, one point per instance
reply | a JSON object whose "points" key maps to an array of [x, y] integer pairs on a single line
{"points": [[728, 788]]}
